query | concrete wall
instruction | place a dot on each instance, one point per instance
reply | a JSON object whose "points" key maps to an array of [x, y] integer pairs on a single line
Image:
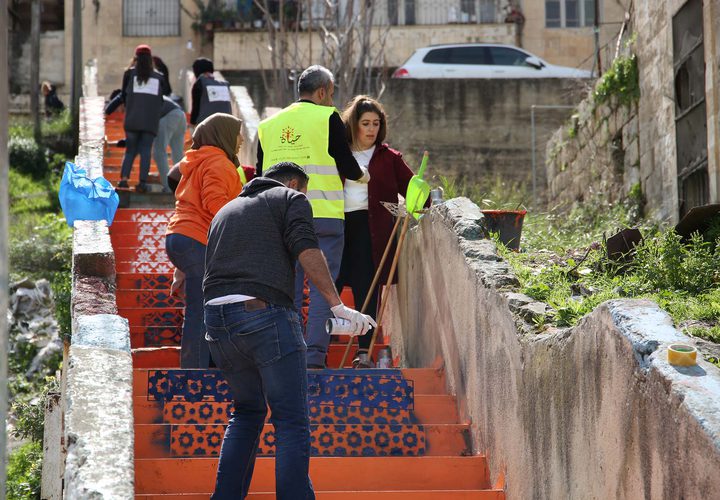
{"points": [[238, 50], [52, 61], [596, 152], [475, 128], [102, 34], [97, 395], [589, 412]]}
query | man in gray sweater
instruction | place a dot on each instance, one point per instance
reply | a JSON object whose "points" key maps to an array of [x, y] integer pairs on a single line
{"points": [[253, 328]]}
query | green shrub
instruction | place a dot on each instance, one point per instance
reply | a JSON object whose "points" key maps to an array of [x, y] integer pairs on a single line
{"points": [[27, 156], [61, 283], [47, 247], [622, 80], [24, 472]]}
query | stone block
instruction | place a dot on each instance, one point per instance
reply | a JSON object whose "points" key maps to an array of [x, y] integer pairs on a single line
{"points": [[630, 130], [99, 424], [106, 331], [92, 250]]}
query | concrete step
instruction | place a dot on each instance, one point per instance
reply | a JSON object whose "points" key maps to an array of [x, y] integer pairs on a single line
{"points": [[168, 356], [488, 494], [388, 474]]}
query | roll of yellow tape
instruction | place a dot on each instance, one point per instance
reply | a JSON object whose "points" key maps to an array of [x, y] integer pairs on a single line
{"points": [[682, 355]]}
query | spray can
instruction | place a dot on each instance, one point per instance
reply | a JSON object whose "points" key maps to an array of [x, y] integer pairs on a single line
{"points": [[384, 358], [339, 326]]}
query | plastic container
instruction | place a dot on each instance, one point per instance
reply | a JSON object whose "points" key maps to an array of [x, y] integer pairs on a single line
{"points": [[508, 225]]}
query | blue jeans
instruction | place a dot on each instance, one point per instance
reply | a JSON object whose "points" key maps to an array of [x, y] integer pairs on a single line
{"points": [[331, 237], [171, 131], [188, 255], [261, 353], [137, 143]]}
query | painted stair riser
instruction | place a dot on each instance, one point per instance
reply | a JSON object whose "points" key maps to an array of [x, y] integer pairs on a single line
{"points": [[157, 441], [426, 381], [381, 390], [181, 475], [150, 299], [428, 409]]}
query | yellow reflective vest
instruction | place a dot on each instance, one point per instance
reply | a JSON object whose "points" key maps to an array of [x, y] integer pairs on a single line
{"points": [[299, 133]]}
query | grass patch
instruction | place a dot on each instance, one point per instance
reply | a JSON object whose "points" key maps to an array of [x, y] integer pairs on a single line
{"points": [[24, 472]]}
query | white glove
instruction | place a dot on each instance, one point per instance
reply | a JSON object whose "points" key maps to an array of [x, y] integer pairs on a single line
{"points": [[365, 176], [359, 323]]}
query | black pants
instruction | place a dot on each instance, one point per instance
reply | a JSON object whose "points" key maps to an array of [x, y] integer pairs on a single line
{"points": [[357, 269]]}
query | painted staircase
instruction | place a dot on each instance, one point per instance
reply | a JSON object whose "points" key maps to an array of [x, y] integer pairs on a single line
{"points": [[376, 434]]}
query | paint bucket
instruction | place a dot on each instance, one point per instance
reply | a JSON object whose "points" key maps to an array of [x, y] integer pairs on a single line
{"points": [[508, 225], [682, 355]]}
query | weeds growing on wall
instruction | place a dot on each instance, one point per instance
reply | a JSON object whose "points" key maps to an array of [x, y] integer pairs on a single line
{"points": [[621, 81], [563, 260]]}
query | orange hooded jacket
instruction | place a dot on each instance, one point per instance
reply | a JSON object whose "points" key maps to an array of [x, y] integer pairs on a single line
{"points": [[209, 180]]}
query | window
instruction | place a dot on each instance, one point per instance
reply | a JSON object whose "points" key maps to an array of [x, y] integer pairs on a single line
{"points": [[151, 17], [437, 56], [502, 56], [570, 13], [468, 55]]}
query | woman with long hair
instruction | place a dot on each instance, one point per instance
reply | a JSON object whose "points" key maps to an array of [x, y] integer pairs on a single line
{"points": [[368, 225], [142, 91], [209, 179]]}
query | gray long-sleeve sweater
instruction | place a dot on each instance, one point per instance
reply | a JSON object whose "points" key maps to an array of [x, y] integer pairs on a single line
{"points": [[254, 242]]}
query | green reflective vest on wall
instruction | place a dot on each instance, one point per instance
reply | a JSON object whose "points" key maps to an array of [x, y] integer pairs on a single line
{"points": [[299, 133]]}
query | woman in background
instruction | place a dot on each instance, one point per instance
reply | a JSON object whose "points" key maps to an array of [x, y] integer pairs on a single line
{"points": [[142, 89], [368, 225], [209, 179]]}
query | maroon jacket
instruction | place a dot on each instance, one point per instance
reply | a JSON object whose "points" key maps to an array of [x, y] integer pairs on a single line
{"points": [[389, 177]]}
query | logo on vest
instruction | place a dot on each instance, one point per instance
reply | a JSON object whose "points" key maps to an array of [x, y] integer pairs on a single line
{"points": [[288, 136]]}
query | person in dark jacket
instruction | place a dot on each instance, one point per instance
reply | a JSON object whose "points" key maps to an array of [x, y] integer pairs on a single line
{"points": [[142, 91], [209, 95], [253, 328], [53, 104], [368, 225]]}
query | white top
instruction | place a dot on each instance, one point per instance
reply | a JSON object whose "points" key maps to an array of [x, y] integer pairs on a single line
{"points": [[228, 299], [356, 193]]}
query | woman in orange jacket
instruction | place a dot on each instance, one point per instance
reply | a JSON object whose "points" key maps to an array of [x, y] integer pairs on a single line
{"points": [[209, 180]]}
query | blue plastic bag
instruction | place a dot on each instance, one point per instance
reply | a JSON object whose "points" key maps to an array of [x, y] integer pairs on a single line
{"points": [[82, 198]]}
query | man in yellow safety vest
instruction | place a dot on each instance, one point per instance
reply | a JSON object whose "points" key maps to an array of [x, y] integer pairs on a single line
{"points": [[311, 134]]}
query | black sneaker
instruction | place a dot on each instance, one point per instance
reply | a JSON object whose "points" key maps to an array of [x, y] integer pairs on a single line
{"points": [[141, 188], [123, 184]]}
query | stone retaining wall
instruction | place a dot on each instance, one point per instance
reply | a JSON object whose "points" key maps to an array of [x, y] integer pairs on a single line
{"points": [[589, 412], [596, 153]]}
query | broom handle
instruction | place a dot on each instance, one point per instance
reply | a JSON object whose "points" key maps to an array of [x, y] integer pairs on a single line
{"points": [[375, 280], [389, 280]]}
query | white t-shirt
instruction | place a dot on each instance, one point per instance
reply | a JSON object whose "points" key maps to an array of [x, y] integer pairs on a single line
{"points": [[356, 193]]}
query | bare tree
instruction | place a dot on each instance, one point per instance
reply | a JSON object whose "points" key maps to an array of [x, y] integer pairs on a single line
{"points": [[351, 46]]}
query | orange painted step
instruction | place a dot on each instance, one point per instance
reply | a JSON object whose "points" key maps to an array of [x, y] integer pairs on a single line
{"points": [[197, 475], [425, 380], [489, 494], [143, 214], [169, 356], [140, 254], [428, 409]]}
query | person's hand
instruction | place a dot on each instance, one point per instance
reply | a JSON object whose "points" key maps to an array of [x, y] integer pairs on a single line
{"points": [[359, 323], [365, 176], [177, 287]]}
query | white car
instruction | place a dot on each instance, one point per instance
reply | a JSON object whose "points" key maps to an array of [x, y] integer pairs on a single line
{"points": [[481, 60]]}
